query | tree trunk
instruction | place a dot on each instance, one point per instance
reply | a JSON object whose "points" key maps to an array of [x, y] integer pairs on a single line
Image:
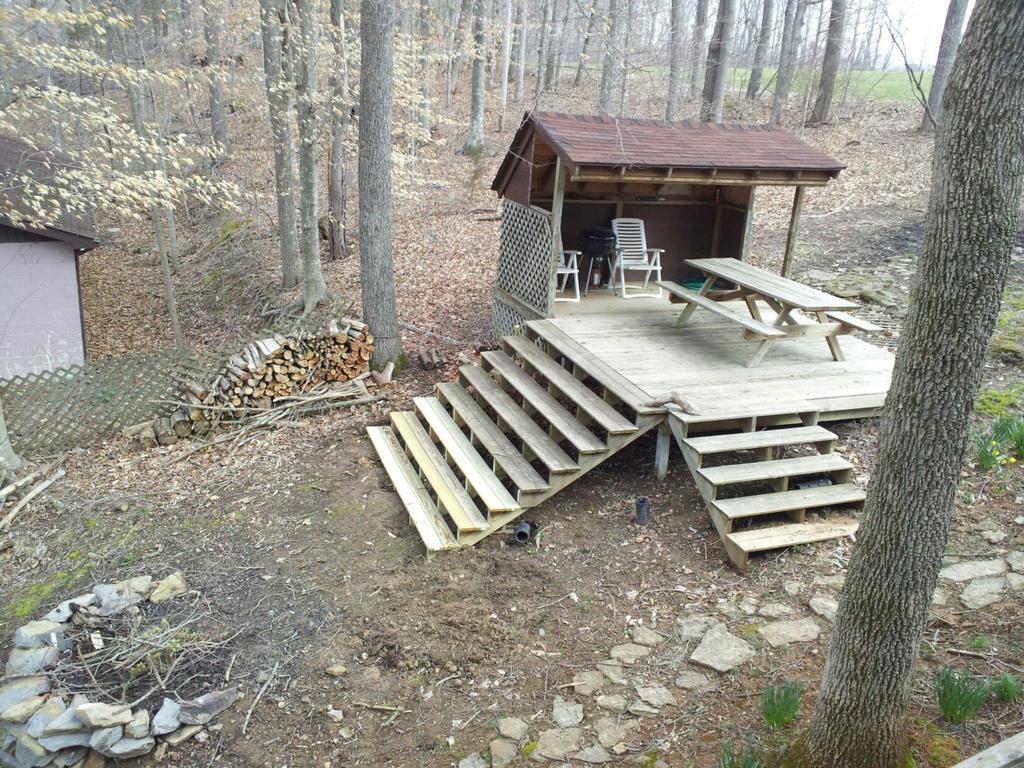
{"points": [[506, 60], [623, 42], [587, 39], [520, 51], [474, 145], [551, 47], [307, 80], [830, 64], [213, 11], [955, 15], [380, 305], [459, 44], [10, 462], [787, 57], [761, 49], [700, 25], [279, 103], [973, 212], [336, 156], [717, 73], [609, 67], [675, 61]]}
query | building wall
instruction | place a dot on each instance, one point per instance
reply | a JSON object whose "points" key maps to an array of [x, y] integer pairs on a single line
{"points": [[40, 316]]}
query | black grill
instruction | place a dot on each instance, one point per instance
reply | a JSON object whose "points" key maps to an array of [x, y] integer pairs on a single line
{"points": [[596, 242]]}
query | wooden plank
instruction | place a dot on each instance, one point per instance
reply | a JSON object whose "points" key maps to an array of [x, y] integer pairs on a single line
{"points": [[791, 232], [417, 502], [845, 318], [693, 298], [789, 501], [1008, 753], [461, 452], [504, 454], [533, 437], [765, 283], [753, 411], [773, 470], [571, 387], [768, 438], [789, 535], [451, 495]]}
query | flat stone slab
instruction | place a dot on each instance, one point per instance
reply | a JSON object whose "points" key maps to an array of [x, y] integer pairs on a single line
{"points": [[825, 606], [646, 636], [613, 730], [512, 728], [1016, 561], [612, 670], [780, 633], [692, 681], [593, 754], [31, 661], [473, 761], [982, 592], [656, 695], [22, 688], [46, 714], [503, 752], [643, 709], [557, 743], [22, 711], [588, 682], [694, 627], [721, 650], [166, 718], [973, 569], [1015, 581], [98, 715], [65, 609], [613, 702], [201, 710], [566, 713], [37, 633], [775, 611], [127, 748], [629, 653]]}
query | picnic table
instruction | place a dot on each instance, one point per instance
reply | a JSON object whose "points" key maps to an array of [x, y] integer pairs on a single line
{"points": [[786, 297]]}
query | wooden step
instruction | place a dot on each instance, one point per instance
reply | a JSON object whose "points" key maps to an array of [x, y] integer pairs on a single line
{"points": [[766, 438], [490, 437], [487, 486], [543, 402], [451, 495], [789, 501], [417, 502], [533, 437], [572, 388], [742, 544], [751, 412], [755, 471]]}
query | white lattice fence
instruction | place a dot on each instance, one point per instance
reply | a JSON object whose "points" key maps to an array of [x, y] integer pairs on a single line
{"points": [[525, 267]]}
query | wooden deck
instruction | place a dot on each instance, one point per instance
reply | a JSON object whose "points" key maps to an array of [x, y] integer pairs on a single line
{"points": [[705, 359]]}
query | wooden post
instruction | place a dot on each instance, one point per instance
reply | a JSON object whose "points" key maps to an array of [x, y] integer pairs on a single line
{"points": [[663, 447], [556, 229], [745, 252], [716, 230], [794, 227]]}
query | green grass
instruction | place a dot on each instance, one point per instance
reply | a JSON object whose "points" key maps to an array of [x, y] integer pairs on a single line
{"points": [[780, 703], [1007, 688], [960, 695], [745, 758], [864, 84], [1000, 402]]}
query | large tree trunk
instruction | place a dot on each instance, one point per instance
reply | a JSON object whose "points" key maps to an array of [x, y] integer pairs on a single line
{"points": [[717, 73], [610, 65], [380, 306], [675, 61], [955, 15], [588, 37], [458, 49], [822, 112], [336, 156], [506, 61], [10, 462], [973, 212], [520, 51], [475, 140], [700, 26], [761, 49], [214, 10], [792, 20]]}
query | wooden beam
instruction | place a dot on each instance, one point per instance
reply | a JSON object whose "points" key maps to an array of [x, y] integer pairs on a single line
{"points": [[716, 231], [794, 228], [556, 228], [747, 226]]}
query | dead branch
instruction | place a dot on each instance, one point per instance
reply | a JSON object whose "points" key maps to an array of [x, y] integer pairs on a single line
{"points": [[39, 488], [673, 398]]}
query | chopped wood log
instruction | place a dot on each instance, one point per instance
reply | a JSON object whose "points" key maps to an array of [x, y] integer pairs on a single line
{"points": [[181, 423], [147, 436]]}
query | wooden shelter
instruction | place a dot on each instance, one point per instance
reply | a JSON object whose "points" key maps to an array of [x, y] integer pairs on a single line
{"points": [[693, 185]]}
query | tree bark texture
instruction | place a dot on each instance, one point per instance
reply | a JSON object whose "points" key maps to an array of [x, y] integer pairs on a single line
{"points": [[506, 61], [951, 31], [973, 213], [337, 155], [474, 144], [520, 51], [675, 60], [822, 112], [380, 305], [700, 25], [761, 49], [10, 462], [587, 39], [787, 57], [717, 73], [610, 64], [213, 11]]}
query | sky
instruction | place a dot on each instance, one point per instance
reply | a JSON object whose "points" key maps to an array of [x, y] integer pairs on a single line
{"points": [[921, 23]]}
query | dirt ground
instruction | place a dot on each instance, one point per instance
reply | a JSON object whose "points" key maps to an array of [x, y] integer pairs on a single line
{"points": [[295, 540]]}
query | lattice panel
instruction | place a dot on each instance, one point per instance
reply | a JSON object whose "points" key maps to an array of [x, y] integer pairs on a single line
{"points": [[525, 262], [506, 319]]}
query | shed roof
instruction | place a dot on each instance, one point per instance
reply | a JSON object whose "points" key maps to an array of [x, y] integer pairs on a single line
{"points": [[18, 157]]}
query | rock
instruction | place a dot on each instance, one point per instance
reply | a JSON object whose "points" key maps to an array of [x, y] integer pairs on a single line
{"points": [[749, 605], [1015, 581], [730, 610], [694, 627], [114, 598], [166, 718], [612, 670], [61, 741], [643, 708], [981, 592], [337, 715], [780, 633], [588, 682], [612, 730], [722, 650], [138, 728], [629, 653], [646, 636], [127, 748], [1016, 561], [46, 714], [692, 681], [182, 735], [825, 606], [62, 613], [103, 739], [793, 588], [71, 757], [775, 611], [503, 752], [613, 702], [38, 633], [993, 537], [820, 275], [938, 597], [23, 710], [973, 569], [30, 661], [656, 695], [67, 721], [96, 760], [169, 588], [29, 753], [95, 714], [566, 713], [595, 753], [141, 585], [473, 761], [202, 710], [18, 690], [556, 743], [512, 728], [832, 580], [337, 670]]}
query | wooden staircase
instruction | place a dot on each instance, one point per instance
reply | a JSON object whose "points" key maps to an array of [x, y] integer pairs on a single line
{"points": [[534, 417]]}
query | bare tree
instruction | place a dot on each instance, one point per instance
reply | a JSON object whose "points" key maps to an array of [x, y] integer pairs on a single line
{"points": [[764, 36], [822, 112], [336, 156], [588, 37], [700, 25], [474, 144], [380, 305], [973, 214], [717, 72], [213, 11], [506, 60], [610, 66], [675, 64], [792, 21], [951, 31]]}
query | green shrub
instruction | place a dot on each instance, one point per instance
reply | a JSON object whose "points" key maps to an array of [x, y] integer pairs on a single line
{"points": [[987, 452], [745, 758], [960, 695], [979, 643], [999, 402], [1007, 687], [780, 703], [1010, 431]]}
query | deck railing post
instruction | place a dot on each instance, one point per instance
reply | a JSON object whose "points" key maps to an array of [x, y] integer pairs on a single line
{"points": [[794, 227], [556, 227]]}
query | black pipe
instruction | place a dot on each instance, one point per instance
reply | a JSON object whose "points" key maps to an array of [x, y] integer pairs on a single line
{"points": [[522, 532]]}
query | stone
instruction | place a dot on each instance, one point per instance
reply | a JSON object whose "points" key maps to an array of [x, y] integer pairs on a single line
{"points": [[503, 752], [1016, 561], [512, 728], [31, 661], [993, 537], [825, 606], [820, 275], [692, 681], [938, 597], [595, 753], [169, 588], [629, 653], [182, 735], [96, 760], [96, 714], [166, 718], [981, 592], [643, 708], [1015, 581], [337, 715], [473, 761], [71, 758], [141, 585], [557, 743], [114, 598], [646, 636], [337, 670], [730, 610], [67, 721], [721, 650], [792, 588], [127, 748], [566, 713], [46, 714], [64, 610], [832, 580], [749, 605], [588, 682], [780, 633], [694, 627], [613, 702], [201, 710], [23, 710], [61, 741], [612, 730], [138, 728], [103, 739], [612, 670], [37, 633], [22, 688], [973, 569], [775, 611], [656, 695], [29, 753]]}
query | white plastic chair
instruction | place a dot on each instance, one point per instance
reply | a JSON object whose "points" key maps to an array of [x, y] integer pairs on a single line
{"points": [[632, 254], [568, 266]]}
